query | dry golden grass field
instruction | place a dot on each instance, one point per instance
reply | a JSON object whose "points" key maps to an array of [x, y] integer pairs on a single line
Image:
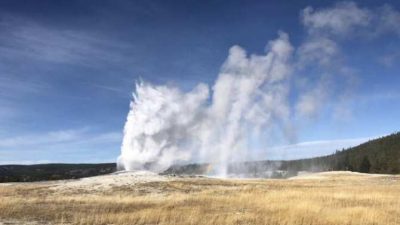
{"points": [[322, 199]]}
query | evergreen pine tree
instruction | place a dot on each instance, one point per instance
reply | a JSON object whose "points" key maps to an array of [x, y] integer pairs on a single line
{"points": [[365, 165]]}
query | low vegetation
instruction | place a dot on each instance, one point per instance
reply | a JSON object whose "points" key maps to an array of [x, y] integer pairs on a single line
{"points": [[327, 199], [381, 155], [40, 172]]}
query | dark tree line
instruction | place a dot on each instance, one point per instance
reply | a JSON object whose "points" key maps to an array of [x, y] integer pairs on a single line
{"points": [[41, 172], [381, 155]]}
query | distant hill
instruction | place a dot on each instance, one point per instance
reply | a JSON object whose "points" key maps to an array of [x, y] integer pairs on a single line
{"points": [[381, 155], [41, 172]]}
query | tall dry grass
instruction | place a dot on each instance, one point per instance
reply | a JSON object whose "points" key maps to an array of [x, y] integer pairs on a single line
{"points": [[347, 200]]}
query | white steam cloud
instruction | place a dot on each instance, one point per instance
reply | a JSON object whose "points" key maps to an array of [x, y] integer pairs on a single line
{"points": [[166, 125], [250, 98]]}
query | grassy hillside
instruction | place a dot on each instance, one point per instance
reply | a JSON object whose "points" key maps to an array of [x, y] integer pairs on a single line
{"points": [[40, 172], [381, 155]]}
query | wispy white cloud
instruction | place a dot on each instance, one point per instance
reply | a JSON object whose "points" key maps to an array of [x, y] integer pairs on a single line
{"points": [[42, 139], [388, 20], [321, 51], [115, 90], [317, 49], [313, 148], [389, 59], [73, 145], [23, 162], [82, 136], [12, 87], [29, 50], [25, 39], [311, 101], [378, 96], [345, 19], [338, 20]]}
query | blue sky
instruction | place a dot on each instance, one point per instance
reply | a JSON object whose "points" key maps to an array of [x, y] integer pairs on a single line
{"points": [[67, 68]]}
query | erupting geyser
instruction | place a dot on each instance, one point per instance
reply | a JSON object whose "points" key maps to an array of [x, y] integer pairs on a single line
{"points": [[250, 95]]}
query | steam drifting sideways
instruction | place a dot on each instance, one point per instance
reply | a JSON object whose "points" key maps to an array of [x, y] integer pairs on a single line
{"points": [[250, 95]]}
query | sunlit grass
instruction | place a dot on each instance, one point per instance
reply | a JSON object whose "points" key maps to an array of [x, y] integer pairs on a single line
{"points": [[351, 200]]}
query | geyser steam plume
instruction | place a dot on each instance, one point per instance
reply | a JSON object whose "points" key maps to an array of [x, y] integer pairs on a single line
{"points": [[250, 95]]}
